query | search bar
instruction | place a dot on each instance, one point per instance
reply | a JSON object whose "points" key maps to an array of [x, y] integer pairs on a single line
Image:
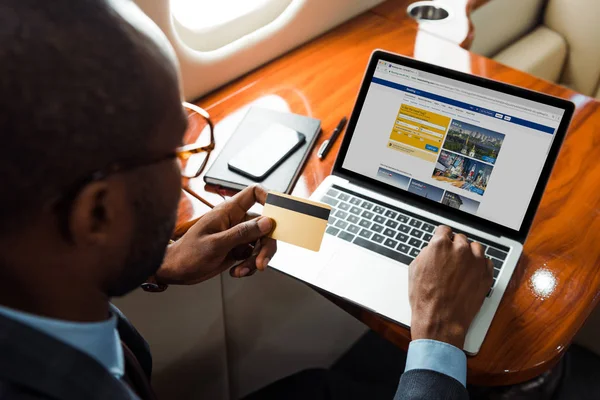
{"points": [[422, 122], [401, 123], [432, 133]]}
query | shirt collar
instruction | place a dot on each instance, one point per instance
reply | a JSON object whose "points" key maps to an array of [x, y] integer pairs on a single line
{"points": [[99, 340]]}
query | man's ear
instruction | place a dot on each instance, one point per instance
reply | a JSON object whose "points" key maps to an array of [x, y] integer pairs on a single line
{"points": [[95, 212]]}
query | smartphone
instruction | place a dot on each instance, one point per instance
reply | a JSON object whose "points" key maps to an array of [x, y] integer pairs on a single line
{"points": [[257, 160]]}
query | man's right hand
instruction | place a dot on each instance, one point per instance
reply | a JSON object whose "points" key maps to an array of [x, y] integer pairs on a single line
{"points": [[448, 283]]}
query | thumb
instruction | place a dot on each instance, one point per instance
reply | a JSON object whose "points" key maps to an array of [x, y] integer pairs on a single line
{"points": [[247, 232]]}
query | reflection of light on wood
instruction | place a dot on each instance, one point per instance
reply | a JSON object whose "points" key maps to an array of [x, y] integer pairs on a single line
{"points": [[432, 49], [543, 282]]}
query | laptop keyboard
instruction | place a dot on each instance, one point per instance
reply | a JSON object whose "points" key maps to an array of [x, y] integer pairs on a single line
{"points": [[389, 231]]}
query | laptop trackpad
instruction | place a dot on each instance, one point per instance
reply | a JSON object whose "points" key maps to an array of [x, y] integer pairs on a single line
{"points": [[371, 280]]}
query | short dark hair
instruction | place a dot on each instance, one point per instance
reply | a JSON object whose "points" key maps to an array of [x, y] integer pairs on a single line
{"points": [[78, 91]]}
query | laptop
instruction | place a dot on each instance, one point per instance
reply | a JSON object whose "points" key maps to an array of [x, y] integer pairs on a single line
{"points": [[425, 146]]}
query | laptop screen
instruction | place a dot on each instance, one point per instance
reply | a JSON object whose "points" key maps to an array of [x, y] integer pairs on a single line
{"points": [[469, 148]]}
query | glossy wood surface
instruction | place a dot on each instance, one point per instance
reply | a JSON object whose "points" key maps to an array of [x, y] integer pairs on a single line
{"points": [[557, 282]]}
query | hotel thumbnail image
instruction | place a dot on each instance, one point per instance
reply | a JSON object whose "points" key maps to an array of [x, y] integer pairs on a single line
{"points": [[426, 190], [460, 202], [393, 178], [473, 141], [462, 172]]}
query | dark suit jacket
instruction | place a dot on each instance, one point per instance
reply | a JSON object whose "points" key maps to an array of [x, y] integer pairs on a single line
{"points": [[429, 385], [34, 365]]}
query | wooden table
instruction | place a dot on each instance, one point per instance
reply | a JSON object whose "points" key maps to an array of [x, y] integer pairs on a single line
{"points": [[557, 282]]}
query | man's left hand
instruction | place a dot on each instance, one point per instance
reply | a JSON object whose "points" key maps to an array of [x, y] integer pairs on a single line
{"points": [[222, 237]]}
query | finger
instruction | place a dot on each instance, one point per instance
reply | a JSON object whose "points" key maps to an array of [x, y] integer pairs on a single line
{"points": [[477, 250], [245, 232], [244, 269], [490, 268], [251, 215], [250, 196], [242, 252], [460, 240], [443, 231], [269, 247]]}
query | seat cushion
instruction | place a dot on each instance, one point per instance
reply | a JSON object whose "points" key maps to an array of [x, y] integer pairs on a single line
{"points": [[541, 53], [577, 22]]}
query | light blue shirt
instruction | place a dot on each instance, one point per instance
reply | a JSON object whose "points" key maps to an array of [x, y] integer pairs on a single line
{"points": [[99, 340], [439, 357]]}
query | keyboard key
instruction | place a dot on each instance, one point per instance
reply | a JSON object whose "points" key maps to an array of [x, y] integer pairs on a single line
{"points": [[497, 263], [341, 224], [346, 236], [391, 223], [332, 231], [390, 243], [403, 248], [496, 253], [353, 229], [415, 242], [331, 220], [367, 214], [365, 233], [333, 193], [378, 210], [496, 273], [344, 206], [428, 228], [356, 201], [329, 200], [384, 251], [377, 228], [402, 237], [391, 214], [353, 219], [355, 210], [378, 238], [341, 214], [364, 223], [415, 223], [404, 228], [424, 244], [427, 237], [389, 232], [402, 218], [379, 219], [415, 252], [366, 205], [343, 197], [416, 233]]}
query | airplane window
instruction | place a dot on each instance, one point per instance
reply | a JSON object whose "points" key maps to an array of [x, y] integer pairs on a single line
{"points": [[207, 25]]}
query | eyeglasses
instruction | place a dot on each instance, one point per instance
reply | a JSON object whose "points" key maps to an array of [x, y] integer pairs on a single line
{"points": [[192, 156]]}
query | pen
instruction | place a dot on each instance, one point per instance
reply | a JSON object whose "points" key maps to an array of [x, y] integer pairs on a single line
{"points": [[326, 146]]}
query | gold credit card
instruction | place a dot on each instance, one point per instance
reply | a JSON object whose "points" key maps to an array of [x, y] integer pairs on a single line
{"points": [[298, 221]]}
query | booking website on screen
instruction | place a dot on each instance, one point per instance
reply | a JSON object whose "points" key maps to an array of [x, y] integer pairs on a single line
{"points": [[467, 147]]}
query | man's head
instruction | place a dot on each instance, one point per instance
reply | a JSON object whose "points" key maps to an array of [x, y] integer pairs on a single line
{"points": [[80, 90]]}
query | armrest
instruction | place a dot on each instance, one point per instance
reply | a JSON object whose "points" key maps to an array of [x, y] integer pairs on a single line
{"points": [[541, 53]]}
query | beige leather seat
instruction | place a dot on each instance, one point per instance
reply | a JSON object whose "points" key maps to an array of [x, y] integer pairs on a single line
{"points": [[555, 40]]}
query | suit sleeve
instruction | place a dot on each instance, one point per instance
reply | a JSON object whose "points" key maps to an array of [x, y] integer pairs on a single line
{"points": [[434, 370], [423, 384]]}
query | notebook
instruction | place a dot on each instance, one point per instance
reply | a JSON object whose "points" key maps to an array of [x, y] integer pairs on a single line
{"points": [[256, 120]]}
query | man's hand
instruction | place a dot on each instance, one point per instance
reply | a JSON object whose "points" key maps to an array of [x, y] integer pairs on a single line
{"points": [[448, 282], [222, 237]]}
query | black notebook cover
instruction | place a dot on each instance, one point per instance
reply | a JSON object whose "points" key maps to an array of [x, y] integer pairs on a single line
{"points": [[256, 121]]}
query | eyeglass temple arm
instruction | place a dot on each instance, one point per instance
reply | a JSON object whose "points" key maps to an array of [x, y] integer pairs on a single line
{"points": [[181, 230]]}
